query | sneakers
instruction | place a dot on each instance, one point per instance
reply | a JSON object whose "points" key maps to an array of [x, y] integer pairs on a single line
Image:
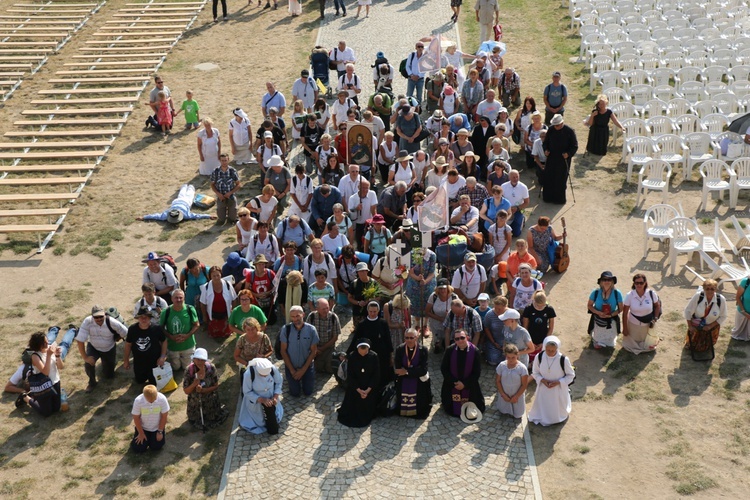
{"points": [[226, 18], [267, 6], [90, 388]]}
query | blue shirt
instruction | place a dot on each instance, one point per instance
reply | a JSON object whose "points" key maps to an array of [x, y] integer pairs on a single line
{"points": [[296, 234], [321, 206], [299, 342], [227, 270], [492, 209], [613, 300], [465, 124]]}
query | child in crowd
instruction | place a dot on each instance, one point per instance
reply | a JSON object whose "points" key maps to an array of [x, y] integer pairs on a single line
{"points": [[484, 305], [298, 120], [191, 109], [496, 64], [164, 113], [511, 379], [500, 236]]}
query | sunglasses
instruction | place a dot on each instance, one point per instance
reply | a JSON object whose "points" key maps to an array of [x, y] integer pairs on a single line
{"points": [[459, 338], [243, 215], [606, 279], [639, 282]]}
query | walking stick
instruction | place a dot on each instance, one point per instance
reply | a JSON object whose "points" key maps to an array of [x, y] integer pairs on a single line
{"points": [[568, 161], [200, 403]]}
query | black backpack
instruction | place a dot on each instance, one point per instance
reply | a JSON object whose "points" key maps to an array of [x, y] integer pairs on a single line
{"points": [[277, 344], [562, 365]]}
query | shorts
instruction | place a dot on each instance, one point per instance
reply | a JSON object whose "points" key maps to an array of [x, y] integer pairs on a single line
{"points": [[456, 3]]}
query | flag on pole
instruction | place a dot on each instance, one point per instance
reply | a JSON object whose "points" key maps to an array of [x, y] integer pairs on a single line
{"points": [[433, 211]]}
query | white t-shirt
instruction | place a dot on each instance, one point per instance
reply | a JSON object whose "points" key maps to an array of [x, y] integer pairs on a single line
{"points": [[239, 131], [469, 282], [419, 167], [377, 126], [339, 110], [302, 189], [17, 377], [348, 187], [324, 116], [401, 173], [267, 152], [309, 266], [538, 150], [452, 189], [331, 244], [342, 55], [640, 306], [524, 294], [150, 412], [515, 194], [268, 247], [100, 337], [500, 239], [163, 279], [305, 91], [54, 374], [355, 81], [267, 208], [369, 201], [489, 109], [473, 213]]}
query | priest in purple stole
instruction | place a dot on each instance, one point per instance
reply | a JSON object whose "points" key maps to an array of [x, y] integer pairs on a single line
{"points": [[413, 387], [461, 367]]}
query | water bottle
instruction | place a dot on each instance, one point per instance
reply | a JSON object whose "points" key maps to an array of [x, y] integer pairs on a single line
{"points": [[63, 400]]}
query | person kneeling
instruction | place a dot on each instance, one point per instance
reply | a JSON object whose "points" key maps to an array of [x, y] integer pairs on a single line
{"points": [[150, 411], [261, 410]]}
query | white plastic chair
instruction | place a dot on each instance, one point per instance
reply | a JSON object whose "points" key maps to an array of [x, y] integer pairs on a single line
{"points": [[610, 79], [654, 176], [723, 57], [640, 150], [641, 94], [727, 104], [679, 106], [715, 123], [715, 88], [742, 244], [662, 76], [692, 91], [740, 89], [714, 73], [739, 73], [636, 77], [673, 60], [741, 169], [686, 33], [700, 149], [712, 243], [713, 173], [732, 272], [704, 108], [687, 124], [688, 74], [633, 127], [672, 149], [599, 64], [654, 107], [661, 125], [645, 46], [655, 224], [684, 237], [665, 93], [623, 111], [650, 62], [616, 95]]}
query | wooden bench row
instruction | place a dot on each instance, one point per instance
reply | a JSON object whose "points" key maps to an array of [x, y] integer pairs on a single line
{"points": [[47, 181], [53, 155], [63, 133], [48, 167], [52, 145]]}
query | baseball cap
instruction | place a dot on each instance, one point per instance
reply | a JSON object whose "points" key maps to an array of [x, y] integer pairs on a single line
{"points": [[97, 311]]}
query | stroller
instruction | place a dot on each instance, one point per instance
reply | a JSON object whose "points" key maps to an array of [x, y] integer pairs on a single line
{"points": [[319, 62]]}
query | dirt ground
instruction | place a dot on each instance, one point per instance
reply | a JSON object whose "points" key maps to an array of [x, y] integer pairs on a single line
{"points": [[656, 424]]}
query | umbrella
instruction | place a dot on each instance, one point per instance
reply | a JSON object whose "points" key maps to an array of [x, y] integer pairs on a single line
{"points": [[740, 125], [491, 44]]}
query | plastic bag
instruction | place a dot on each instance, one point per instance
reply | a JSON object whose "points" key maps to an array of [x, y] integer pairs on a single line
{"points": [[164, 379]]}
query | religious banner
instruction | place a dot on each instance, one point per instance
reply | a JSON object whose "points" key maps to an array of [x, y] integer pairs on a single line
{"points": [[360, 145], [433, 211], [430, 60]]}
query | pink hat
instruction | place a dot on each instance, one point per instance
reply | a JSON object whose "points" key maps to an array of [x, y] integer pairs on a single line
{"points": [[448, 90], [378, 219]]}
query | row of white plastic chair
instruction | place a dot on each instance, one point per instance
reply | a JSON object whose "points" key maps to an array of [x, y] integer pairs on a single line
{"points": [[693, 149], [717, 176], [695, 52], [664, 100], [665, 222]]}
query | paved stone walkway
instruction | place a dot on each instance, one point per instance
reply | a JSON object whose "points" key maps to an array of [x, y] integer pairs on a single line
{"points": [[314, 456]]}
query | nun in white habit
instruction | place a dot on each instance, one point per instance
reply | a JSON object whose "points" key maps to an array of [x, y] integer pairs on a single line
{"points": [[553, 373], [261, 409]]}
